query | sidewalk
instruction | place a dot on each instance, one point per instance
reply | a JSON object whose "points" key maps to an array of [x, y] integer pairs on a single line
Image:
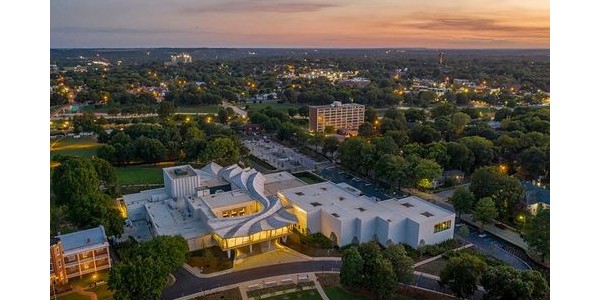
{"points": [[506, 234], [281, 255], [262, 283]]}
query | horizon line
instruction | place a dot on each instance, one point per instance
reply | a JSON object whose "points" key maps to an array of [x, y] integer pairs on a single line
{"points": [[291, 48]]}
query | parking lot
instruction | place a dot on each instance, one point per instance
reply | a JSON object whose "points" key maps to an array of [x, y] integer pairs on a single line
{"points": [[336, 175], [282, 157]]}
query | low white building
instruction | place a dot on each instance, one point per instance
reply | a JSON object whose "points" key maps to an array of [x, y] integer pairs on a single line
{"points": [[343, 214], [238, 209]]}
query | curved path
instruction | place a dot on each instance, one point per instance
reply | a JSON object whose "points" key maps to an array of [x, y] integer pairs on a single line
{"points": [[187, 283]]}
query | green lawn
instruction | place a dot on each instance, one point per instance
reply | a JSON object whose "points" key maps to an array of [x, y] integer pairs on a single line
{"points": [[337, 293], [283, 107], [85, 146], [308, 177], [255, 160], [71, 296], [139, 175], [302, 295], [209, 109]]}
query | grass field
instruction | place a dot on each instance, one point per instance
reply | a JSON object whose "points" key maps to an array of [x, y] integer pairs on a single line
{"points": [[302, 295], [283, 107], [139, 175], [85, 146], [208, 109], [308, 177], [337, 293], [255, 160]]}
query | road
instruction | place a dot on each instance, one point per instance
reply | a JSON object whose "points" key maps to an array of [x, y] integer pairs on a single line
{"points": [[187, 283], [236, 109]]}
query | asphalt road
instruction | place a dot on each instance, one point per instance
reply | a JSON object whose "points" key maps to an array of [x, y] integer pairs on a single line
{"points": [[187, 283]]}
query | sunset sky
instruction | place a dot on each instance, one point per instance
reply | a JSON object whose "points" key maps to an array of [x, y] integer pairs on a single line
{"points": [[295, 23]]}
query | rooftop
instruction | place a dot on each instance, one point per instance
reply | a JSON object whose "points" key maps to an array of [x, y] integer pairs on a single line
{"points": [[343, 201], [226, 198], [275, 182], [84, 238], [180, 171]]}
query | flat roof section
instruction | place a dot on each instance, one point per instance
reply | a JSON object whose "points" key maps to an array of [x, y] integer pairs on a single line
{"points": [[226, 198], [276, 182], [180, 171], [83, 239], [168, 221], [342, 202]]}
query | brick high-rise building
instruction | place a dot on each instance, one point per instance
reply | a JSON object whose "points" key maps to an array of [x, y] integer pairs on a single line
{"points": [[340, 116]]}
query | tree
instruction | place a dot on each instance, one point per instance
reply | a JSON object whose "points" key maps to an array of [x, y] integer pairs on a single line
{"points": [[425, 171], [369, 252], [349, 152], [459, 121], [222, 150], [482, 149], [461, 274], [505, 190], [150, 150], [169, 250], [106, 174], [534, 162], [351, 272], [383, 278], [96, 209], [537, 233], [504, 282], [329, 129], [391, 169], [370, 115], [303, 111], [86, 122], [166, 109], [139, 278], [463, 231], [462, 200], [385, 145], [402, 264], [73, 179], [485, 212], [108, 153], [460, 157], [424, 134], [330, 145], [366, 130], [292, 112]]}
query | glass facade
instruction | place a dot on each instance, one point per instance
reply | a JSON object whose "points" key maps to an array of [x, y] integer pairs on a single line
{"points": [[265, 235], [442, 226]]}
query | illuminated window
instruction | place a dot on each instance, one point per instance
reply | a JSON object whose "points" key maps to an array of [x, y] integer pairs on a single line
{"points": [[442, 226]]}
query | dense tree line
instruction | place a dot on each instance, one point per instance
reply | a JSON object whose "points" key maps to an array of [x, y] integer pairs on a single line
{"points": [[380, 271], [198, 142], [84, 191], [143, 268]]}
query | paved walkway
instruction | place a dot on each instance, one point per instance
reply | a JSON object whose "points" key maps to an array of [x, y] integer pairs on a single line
{"points": [[281, 255], [80, 291], [505, 234], [440, 256], [264, 282]]}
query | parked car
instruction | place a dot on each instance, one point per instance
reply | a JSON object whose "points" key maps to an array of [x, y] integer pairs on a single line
{"points": [[500, 225]]}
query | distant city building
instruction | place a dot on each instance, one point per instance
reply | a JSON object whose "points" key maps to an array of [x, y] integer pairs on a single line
{"points": [[340, 116], [441, 58], [78, 253], [356, 82], [183, 58]]}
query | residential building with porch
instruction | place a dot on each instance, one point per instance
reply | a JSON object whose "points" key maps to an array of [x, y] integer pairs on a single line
{"points": [[78, 253]]}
